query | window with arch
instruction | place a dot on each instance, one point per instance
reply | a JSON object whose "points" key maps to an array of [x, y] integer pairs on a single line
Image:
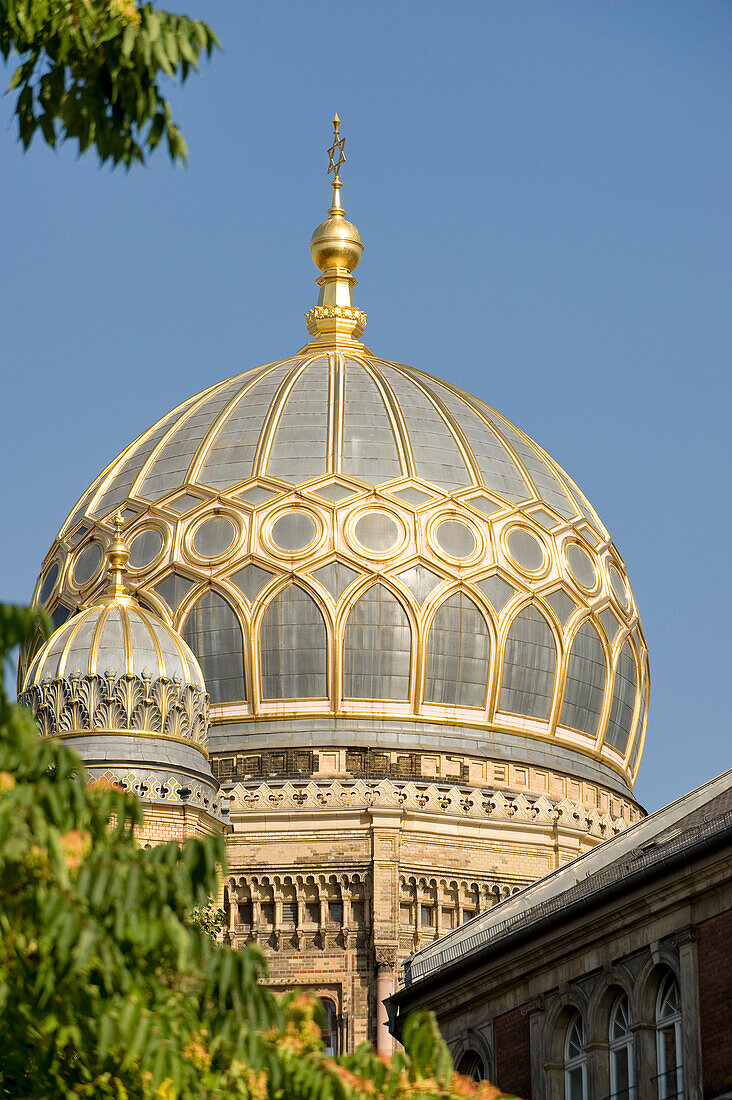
{"points": [[622, 1075], [584, 690], [621, 713], [668, 1039], [213, 632], [471, 1065], [529, 666], [377, 654], [330, 1030], [293, 647], [458, 654], [575, 1060]]}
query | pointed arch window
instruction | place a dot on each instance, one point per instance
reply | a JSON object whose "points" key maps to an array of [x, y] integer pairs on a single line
{"points": [[330, 1030], [293, 647], [670, 1079], [458, 654], [575, 1060], [529, 666], [377, 648], [584, 690], [471, 1065], [622, 1074], [621, 713], [213, 632]]}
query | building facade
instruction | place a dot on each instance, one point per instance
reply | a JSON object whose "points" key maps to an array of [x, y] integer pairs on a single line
{"points": [[427, 674], [611, 977]]}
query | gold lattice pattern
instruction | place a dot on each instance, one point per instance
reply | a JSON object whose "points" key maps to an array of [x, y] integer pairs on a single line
{"points": [[376, 542]]}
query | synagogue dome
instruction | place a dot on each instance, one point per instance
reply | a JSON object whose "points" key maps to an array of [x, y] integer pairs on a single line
{"points": [[359, 553], [126, 691]]}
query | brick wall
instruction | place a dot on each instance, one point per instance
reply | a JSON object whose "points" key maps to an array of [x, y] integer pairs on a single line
{"points": [[715, 1008], [513, 1053]]}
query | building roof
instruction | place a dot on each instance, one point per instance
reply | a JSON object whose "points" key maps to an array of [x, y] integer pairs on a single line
{"points": [[698, 820]]}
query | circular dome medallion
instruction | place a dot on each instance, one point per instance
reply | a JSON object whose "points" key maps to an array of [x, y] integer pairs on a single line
{"points": [[146, 547], [455, 539], [618, 586], [88, 564], [49, 583], [525, 549], [293, 532], [581, 566], [213, 537], [377, 532]]}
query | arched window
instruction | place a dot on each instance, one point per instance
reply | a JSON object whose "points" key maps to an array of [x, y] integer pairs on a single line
{"points": [[621, 713], [585, 687], [458, 654], [471, 1065], [622, 1076], [213, 632], [529, 664], [668, 1039], [378, 648], [575, 1060], [293, 647], [330, 1030]]}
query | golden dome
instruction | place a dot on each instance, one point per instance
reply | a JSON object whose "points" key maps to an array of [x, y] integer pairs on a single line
{"points": [[127, 690], [360, 554]]}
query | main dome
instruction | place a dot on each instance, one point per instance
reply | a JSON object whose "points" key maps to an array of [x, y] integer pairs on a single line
{"points": [[337, 536], [371, 563]]}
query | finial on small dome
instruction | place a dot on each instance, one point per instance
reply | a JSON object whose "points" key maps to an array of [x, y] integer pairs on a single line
{"points": [[336, 248], [118, 554]]}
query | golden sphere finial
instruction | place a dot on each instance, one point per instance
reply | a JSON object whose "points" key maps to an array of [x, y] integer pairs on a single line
{"points": [[336, 243]]}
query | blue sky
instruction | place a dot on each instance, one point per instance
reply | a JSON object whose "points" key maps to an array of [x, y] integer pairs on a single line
{"points": [[543, 191]]}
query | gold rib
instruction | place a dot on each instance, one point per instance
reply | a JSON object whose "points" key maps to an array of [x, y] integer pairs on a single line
{"points": [[575, 489], [472, 404], [166, 438], [96, 636], [156, 644], [127, 635], [533, 446], [63, 657], [204, 447], [274, 414], [466, 451], [614, 669], [332, 384], [181, 653], [394, 413], [116, 465], [88, 492]]}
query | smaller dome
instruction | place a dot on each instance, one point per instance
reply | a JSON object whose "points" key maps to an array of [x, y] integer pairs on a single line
{"points": [[119, 637], [129, 693]]}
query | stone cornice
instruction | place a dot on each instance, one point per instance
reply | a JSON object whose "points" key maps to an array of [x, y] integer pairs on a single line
{"points": [[457, 802]]}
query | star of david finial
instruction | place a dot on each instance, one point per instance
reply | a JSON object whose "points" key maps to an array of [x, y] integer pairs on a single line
{"points": [[336, 154]]}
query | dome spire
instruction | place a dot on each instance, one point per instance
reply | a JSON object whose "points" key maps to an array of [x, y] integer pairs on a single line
{"points": [[118, 554], [336, 248]]}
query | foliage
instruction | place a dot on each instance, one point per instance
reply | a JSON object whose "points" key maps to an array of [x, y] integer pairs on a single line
{"points": [[208, 918], [91, 72], [111, 986]]}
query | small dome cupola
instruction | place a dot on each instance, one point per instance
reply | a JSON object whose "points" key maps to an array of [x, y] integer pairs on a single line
{"points": [[128, 693]]}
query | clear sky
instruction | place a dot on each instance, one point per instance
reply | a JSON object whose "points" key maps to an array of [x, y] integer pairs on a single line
{"points": [[543, 191]]}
